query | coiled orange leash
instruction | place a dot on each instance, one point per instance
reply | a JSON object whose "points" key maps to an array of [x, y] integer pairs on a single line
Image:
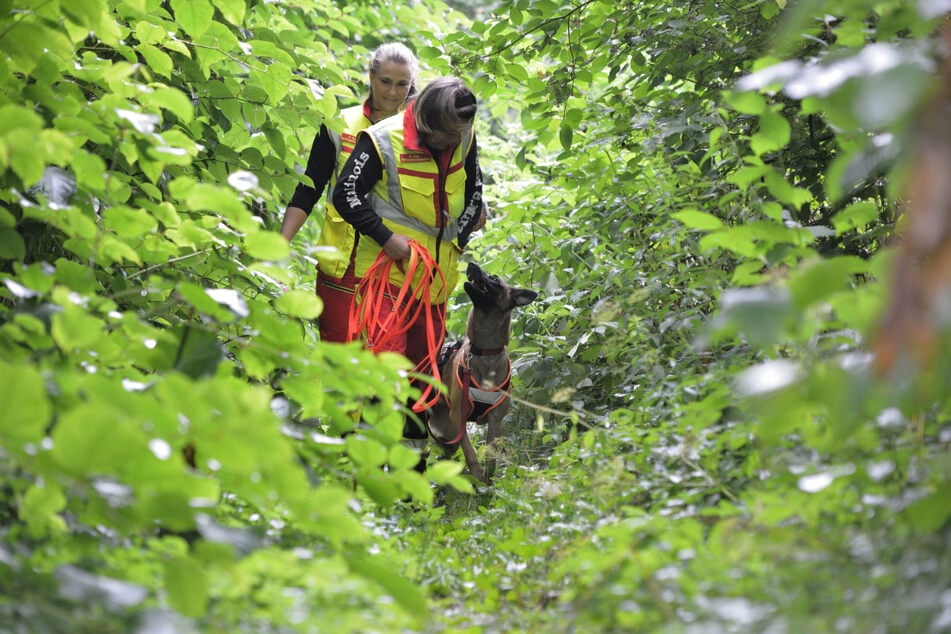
{"points": [[380, 322]]}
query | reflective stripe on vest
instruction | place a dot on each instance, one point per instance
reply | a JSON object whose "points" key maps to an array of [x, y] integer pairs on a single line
{"points": [[390, 206]]}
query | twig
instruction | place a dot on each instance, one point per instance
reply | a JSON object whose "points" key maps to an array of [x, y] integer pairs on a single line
{"points": [[166, 263]]}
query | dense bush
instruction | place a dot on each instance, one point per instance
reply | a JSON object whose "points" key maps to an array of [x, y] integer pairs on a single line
{"points": [[716, 427]]}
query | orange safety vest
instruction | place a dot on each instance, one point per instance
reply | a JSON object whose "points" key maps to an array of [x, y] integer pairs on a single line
{"points": [[417, 199], [337, 235]]}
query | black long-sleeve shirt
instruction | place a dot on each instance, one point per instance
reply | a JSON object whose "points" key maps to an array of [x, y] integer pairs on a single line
{"points": [[364, 168], [320, 169]]}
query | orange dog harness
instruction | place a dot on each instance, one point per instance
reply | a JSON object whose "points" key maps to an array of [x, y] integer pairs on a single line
{"points": [[477, 401]]}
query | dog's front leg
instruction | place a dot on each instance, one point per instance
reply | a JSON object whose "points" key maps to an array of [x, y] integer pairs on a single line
{"points": [[493, 440], [472, 459]]}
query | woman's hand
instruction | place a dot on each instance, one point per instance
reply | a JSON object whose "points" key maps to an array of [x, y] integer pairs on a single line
{"points": [[397, 247]]}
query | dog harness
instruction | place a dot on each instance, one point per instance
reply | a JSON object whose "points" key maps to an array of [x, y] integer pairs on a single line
{"points": [[477, 401]]}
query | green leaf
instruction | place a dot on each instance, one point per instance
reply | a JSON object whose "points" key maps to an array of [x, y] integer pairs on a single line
{"points": [[138, 7], [856, 215], [275, 80], [735, 240], [199, 352], [444, 470], [198, 297], [15, 117], [402, 457], [221, 200], [158, 61], [74, 328], [187, 586], [746, 102], [85, 13], [404, 592], [90, 170], [95, 438], [815, 281], [194, 16], [149, 33], [517, 72], [267, 245], [173, 100], [12, 246], [747, 175], [696, 219], [773, 135], [232, 10], [565, 135], [29, 42], [305, 305], [128, 222], [27, 409], [27, 156], [785, 192], [40, 508], [365, 451], [112, 249], [931, 513]]}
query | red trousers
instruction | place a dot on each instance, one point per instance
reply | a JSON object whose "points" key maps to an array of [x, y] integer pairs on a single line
{"points": [[334, 322], [336, 294]]}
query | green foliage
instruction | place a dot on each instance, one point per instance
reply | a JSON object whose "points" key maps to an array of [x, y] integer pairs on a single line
{"points": [[159, 376], [702, 193], [703, 435]]}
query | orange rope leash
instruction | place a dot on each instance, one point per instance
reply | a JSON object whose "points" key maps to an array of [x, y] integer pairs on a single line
{"points": [[371, 314]]}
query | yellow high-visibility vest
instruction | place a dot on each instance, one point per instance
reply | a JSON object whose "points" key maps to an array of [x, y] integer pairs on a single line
{"points": [[416, 199], [336, 232]]}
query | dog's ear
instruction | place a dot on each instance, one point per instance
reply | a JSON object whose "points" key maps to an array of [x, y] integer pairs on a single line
{"points": [[523, 297]]}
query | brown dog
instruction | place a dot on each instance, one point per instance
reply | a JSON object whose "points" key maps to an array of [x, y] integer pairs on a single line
{"points": [[477, 371]]}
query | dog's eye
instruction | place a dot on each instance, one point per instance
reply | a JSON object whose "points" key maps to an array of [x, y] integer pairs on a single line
{"points": [[494, 279]]}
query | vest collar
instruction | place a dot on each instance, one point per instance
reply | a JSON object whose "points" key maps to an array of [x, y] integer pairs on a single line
{"points": [[411, 135]]}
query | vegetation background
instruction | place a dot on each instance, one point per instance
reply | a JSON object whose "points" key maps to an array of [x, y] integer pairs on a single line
{"points": [[726, 420]]}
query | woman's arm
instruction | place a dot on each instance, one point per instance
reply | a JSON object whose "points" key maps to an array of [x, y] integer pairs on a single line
{"points": [[351, 194], [472, 215], [320, 166]]}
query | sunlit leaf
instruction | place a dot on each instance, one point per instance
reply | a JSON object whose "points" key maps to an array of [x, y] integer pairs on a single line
{"points": [[265, 245], [157, 60], [932, 512], [305, 305], [12, 246], [365, 451], [232, 10], [696, 219], [194, 16], [565, 134], [857, 214], [187, 586], [747, 102], [28, 408], [407, 594], [773, 134], [41, 506], [74, 328]]}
